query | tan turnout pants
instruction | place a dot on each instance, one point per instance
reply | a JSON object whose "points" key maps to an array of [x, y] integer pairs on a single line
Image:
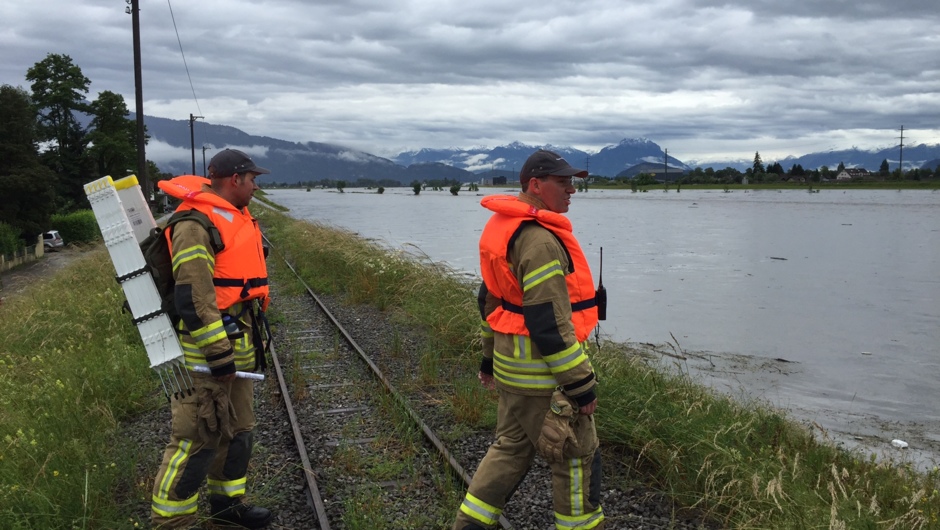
{"points": [[196, 453], [575, 481]]}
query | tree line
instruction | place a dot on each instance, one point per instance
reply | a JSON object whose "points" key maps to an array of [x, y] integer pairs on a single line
{"points": [[47, 155]]}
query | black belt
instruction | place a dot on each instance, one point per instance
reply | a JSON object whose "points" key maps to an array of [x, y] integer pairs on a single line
{"points": [[244, 284], [577, 306]]}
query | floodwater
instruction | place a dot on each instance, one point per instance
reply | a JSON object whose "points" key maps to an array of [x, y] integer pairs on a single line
{"points": [[826, 304]]}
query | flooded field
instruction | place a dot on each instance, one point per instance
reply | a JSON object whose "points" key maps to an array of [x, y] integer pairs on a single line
{"points": [[824, 304]]}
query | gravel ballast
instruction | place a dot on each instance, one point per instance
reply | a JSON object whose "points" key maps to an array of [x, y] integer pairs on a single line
{"points": [[276, 482]]}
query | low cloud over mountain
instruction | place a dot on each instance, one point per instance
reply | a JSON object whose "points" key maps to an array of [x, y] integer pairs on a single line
{"points": [[292, 162]]}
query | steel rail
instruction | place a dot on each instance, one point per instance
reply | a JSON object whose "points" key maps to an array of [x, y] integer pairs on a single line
{"points": [[401, 400], [313, 491]]}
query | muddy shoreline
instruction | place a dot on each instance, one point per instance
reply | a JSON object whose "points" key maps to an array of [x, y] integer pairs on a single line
{"points": [[769, 382]]}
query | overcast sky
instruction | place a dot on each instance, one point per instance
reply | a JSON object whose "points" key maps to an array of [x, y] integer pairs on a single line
{"points": [[705, 79]]}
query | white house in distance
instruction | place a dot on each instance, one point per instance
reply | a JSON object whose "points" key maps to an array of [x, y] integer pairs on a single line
{"points": [[850, 173]]}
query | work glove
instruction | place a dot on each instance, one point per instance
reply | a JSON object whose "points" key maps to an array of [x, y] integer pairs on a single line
{"points": [[215, 413], [557, 432]]}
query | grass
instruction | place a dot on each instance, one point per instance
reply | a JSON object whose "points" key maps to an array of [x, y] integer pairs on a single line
{"points": [[746, 464], [72, 367]]}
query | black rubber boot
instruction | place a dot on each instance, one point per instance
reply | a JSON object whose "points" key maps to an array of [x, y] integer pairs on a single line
{"points": [[232, 512]]}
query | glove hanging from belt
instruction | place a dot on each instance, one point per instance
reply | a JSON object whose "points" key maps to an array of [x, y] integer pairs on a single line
{"points": [[215, 413], [557, 432]]}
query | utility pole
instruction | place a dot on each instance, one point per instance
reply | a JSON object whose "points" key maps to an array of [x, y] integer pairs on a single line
{"points": [[192, 139], [204, 173], [901, 155], [666, 165], [134, 10]]}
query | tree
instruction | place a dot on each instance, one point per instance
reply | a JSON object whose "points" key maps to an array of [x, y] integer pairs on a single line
{"points": [[645, 179], [758, 166], [58, 92], [416, 186], [884, 169], [28, 200], [340, 184], [112, 139], [841, 168], [17, 130], [454, 188], [27, 188]]}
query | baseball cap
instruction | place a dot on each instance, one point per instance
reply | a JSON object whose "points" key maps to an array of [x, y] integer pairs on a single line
{"points": [[230, 161], [543, 163]]}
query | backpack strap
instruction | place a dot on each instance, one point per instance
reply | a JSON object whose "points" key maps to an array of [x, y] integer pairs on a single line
{"points": [[215, 237]]}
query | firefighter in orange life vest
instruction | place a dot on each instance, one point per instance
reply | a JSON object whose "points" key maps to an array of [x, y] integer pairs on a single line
{"points": [[211, 436], [538, 308]]}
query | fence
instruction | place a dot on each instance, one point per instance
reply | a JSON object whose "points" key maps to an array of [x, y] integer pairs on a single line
{"points": [[23, 255]]}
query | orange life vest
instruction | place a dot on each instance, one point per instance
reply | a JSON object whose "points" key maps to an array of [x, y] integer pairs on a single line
{"points": [[501, 282], [240, 271]]}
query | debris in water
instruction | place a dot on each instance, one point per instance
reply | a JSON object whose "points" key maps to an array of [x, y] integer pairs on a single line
{"points": [[900, 444], [781, 259]]}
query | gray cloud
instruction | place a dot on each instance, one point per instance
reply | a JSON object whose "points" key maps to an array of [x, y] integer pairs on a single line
{"points": [[706, 79]]}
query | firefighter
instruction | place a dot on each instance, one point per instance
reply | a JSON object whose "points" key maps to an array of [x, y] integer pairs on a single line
{"points": [[538, 307], [211, 438]]}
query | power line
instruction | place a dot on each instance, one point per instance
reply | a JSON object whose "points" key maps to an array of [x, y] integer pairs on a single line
{"points": [[185, 65]]}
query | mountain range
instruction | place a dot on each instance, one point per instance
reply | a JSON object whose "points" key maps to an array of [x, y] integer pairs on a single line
{"points": [[292, 162]]}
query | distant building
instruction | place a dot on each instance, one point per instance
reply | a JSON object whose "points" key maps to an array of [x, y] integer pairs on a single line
{"points": [[850, 173], [655, 169]]}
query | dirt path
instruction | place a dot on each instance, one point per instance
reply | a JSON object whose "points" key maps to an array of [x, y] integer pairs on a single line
{"points": [[13, 282]]}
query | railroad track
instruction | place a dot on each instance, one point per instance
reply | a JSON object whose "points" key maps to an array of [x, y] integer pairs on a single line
{"points": [[340, 444], [349, 407]]}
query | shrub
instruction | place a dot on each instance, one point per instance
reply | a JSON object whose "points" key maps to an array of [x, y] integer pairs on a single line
{"points": [[77, 227], [10, 240]]}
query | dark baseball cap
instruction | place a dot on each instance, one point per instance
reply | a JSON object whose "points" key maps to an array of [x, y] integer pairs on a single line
{"points": [[230, 161], [544, 163]]}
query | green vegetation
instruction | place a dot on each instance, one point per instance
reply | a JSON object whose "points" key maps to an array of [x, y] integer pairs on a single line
{"points": [[72, 367], [77, 227], [9, 240], [747, 465], [35, 185]]}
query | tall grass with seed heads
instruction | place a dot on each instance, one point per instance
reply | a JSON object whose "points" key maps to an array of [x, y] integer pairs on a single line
{"points": [[72, 366]]}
